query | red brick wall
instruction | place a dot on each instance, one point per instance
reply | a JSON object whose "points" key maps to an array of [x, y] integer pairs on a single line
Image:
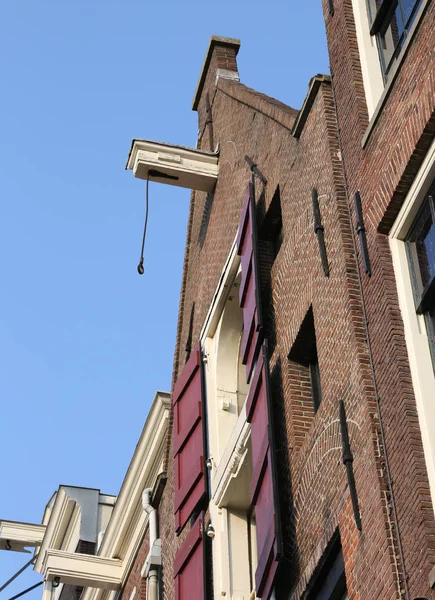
{"points": [[313, 486], [383, 172], [313, 482], [135, 579]]}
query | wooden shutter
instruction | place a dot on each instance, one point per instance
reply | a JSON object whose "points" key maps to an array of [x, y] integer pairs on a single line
{"points": [[264, 487], [189, 565], [250, 299], [189, 439]]}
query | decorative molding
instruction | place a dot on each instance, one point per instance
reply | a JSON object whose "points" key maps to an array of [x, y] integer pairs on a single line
{"points": [[174, 165], [232, 460], [229, 273], [17, 536], [128, 522], [72, 533], [82, 569], [60, 516]]}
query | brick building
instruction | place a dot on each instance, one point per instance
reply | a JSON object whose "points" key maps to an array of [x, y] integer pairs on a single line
{"points": [[299, 460], [318, 444]]}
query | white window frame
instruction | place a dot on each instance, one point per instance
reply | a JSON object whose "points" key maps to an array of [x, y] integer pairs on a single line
{"points": [[417, 342], [228, 464], [369, 56]]}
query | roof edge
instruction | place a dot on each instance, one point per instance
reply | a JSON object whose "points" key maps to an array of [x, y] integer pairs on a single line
{"points": [[313, 88]]}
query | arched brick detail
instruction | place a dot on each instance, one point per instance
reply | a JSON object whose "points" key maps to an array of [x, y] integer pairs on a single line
{"points": [[326, 443]]}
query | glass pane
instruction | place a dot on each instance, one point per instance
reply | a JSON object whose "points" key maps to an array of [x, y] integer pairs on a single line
{"points": [[430, 325], [408, 8], [421, 246], [392, 38]]}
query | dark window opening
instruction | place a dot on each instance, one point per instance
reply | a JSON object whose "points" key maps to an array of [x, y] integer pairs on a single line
{"points": [[391, 21], [420, 246], [188, 347], [270, 237], [208, 204], [304, 354], [271, 228], [330, 582], [316, 390]]}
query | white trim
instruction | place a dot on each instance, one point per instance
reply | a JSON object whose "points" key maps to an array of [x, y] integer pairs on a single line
{"points": [[229, 434], [232, 460], [127, 525], [417, 342], [419, 188], [369, 56], [220, 296], [72, 534], [20, 535], [186, 167], [57, 525], [82, 569]]}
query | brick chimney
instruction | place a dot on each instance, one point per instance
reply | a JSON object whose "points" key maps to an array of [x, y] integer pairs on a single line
{"points": [[220, 61]]}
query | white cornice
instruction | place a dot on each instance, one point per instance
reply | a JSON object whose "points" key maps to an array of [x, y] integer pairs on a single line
{"points": [[17, 536], [174, 165], [82, 569], [127, 524]]}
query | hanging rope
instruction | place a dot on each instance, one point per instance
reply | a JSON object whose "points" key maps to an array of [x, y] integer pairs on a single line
{"points": [[140, 268]]}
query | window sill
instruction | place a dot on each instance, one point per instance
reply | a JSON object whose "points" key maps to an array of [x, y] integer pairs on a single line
{"points": [[393, 73]]}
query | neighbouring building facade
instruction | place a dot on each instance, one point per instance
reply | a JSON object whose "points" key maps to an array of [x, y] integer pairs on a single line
{"points": [[295, 456]]}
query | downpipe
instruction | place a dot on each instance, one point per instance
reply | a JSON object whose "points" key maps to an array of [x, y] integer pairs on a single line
{"points": [[153, 559]]}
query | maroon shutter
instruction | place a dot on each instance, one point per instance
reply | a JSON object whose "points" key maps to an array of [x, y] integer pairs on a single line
{"points": [[264, 492], [189, 565], [249, 297], [189, 439]]}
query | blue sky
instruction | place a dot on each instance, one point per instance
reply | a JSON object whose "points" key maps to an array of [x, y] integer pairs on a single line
{"points": [[84, 340]]}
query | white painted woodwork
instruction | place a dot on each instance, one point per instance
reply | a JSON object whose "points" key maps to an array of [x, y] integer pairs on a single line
{"points": [[184, 167]]}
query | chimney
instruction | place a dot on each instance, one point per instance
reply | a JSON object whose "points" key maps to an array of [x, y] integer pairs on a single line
{"points": [[220, 61]]}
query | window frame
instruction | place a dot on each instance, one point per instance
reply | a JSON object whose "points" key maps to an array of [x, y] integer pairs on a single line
{"points": [[416, 334], [304, 353], [381, 22], [426, 296], [330, 583], [229, 463], [376, 89]]}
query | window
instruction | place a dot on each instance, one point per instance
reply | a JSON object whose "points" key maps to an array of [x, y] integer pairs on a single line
{"points": [[271, 231], [390, 22], [304, 354], [270, 238], [229, 441], [330, 584], [206, 213], [420, 245]]}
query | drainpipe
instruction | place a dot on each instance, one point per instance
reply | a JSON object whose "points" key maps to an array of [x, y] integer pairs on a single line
{"points": [[153, 560]]}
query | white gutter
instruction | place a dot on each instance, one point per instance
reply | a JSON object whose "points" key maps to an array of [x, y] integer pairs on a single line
{"points": [[154, 558]]}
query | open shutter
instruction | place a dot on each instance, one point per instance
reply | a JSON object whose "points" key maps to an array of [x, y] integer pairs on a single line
{"points": [[189, 439], [250, 299], [264, 488], [189, 565]]}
